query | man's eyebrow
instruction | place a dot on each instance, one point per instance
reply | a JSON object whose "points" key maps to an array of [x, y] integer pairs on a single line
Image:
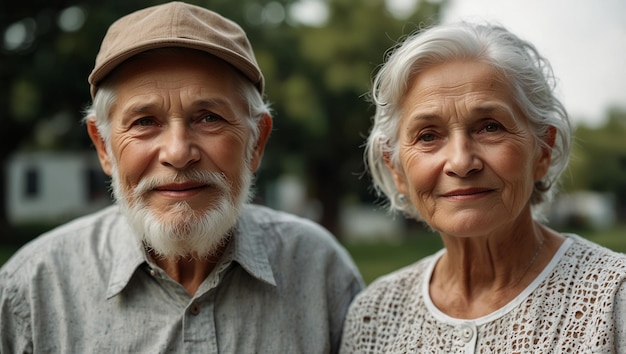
{"points": [[211, 102], [202, 103], [140, 108]]}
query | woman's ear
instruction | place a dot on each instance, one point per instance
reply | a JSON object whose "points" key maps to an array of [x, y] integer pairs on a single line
{"points": [[399, 178], [545, 157], [100, 144]]}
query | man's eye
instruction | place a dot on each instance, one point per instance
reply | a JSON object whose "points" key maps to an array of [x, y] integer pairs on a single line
{"points": [[145, 122], [428, 137]]}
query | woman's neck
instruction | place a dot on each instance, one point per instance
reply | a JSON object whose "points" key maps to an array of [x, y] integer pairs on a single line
{"points": [[479, 275]]}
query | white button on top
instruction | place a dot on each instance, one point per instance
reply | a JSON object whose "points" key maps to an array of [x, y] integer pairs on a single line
{"points": [[467, 333]]}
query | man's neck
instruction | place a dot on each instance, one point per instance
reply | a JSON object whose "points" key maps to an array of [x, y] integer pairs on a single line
{"points": [[190, 272]]}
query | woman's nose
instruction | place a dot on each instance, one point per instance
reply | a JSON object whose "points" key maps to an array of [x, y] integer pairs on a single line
{"points": [[461, 157]]}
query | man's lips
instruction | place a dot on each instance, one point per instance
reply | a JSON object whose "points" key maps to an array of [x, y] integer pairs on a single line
{"points": [[180, 187]]}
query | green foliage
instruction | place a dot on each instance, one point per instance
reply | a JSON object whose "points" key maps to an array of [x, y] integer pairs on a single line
{"points": [[24, 100], [599, 158], [379, 258], [316, 77], [317, 80], [6, 251], [375, 259]]}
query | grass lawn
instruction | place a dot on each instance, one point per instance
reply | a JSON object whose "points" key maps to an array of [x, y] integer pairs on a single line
{"points": [[5, 252], [378, 258]]}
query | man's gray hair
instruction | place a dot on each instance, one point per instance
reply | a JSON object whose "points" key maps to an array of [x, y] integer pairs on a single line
{"points": [[106, 95]]}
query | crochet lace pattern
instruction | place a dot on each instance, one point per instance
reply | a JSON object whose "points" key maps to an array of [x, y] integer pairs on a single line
{"points": [[576, 305]]}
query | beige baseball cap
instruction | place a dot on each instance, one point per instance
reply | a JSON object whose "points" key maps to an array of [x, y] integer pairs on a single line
{"points": [[175, 24]]}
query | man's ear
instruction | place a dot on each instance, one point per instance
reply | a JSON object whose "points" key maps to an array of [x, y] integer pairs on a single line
{"points": [[98, 142], [399, 178], [545, 158], [265, 128]]}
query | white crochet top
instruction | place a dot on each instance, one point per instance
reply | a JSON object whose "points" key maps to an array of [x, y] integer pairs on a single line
{"points": [[576, 305]]}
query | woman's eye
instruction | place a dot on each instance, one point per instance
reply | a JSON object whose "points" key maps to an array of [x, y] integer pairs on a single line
{"points": [[211, 118], [491, 128]]}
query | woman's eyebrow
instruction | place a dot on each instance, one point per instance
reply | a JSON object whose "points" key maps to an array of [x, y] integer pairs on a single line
{"points": [[490, 109]]}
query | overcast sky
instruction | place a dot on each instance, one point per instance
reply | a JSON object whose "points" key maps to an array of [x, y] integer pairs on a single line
{"points": [[584, 40]]}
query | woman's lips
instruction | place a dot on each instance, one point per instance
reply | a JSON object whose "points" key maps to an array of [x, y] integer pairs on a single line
{"points": [[467, 193]]}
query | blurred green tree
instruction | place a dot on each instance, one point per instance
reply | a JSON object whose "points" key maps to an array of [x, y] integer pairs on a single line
{"points": [[47, 52], [316, 76], [598, 160]]}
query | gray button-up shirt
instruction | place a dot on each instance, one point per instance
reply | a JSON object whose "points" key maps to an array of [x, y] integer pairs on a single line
{"points": [[283, 286]]}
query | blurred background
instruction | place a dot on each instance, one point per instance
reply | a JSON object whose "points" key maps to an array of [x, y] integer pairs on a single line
{"points": [[318, 57]]}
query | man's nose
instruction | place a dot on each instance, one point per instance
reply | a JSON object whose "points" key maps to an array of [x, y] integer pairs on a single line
{"points": [[178, 148]]}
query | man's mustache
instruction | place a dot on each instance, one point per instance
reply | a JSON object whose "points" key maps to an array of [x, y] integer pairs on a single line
{"points": [[216, 179]]}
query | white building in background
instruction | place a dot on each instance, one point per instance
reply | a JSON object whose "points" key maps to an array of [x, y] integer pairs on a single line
{"points": [[583, 208], [54, 186], [358, 222]]}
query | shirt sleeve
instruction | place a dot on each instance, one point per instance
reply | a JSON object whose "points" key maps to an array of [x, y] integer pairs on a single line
{"points": [[14, 315], [353, 286]]}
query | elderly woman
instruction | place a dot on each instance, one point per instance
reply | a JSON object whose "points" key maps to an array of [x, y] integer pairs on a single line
{"points": [[469, 137]]}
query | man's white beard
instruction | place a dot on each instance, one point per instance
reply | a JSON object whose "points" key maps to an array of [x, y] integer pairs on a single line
{"points": [[181, 231]]}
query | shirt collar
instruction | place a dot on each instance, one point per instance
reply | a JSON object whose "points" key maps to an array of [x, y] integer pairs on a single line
{"points": [[126, 252], [250, 248], [249, 251]]}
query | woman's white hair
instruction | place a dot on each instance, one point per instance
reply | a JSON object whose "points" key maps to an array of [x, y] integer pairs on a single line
{"points": [[529, 75], [105, 97]]}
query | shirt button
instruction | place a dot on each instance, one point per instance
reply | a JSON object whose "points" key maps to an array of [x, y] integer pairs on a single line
{"points": [[467, 333], [194, 309]]}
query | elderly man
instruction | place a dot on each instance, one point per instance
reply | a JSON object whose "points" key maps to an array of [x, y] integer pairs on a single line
{"points": [[182, 262]]}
